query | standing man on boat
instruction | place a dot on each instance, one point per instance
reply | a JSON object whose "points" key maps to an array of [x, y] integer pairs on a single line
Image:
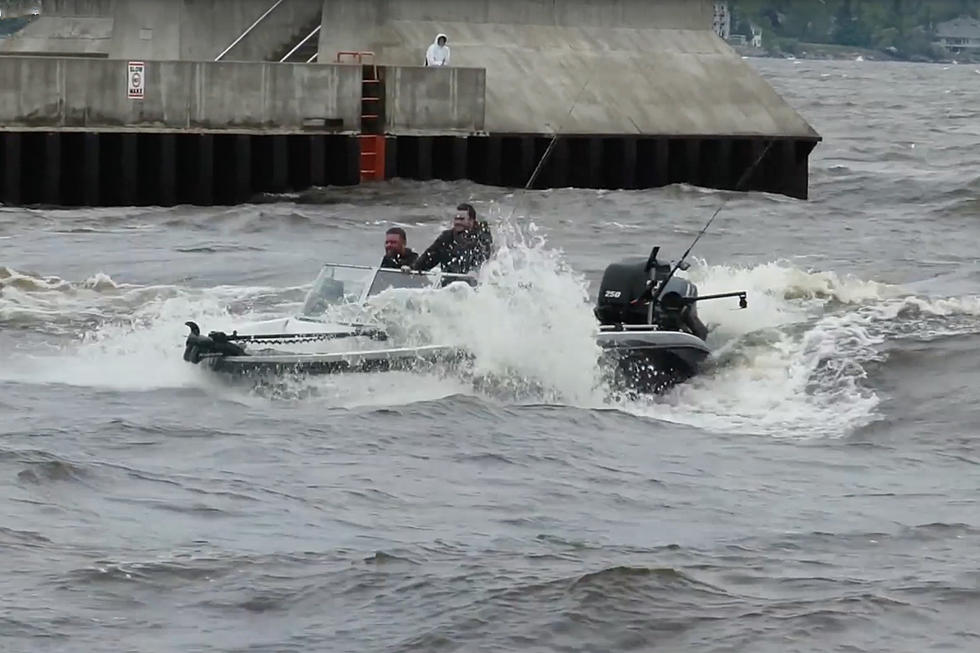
{"points": [[460, 249], [438, 52], [397, 252]]}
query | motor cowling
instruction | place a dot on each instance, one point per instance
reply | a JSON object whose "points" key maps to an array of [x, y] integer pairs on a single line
{"points": [[622, 285]]}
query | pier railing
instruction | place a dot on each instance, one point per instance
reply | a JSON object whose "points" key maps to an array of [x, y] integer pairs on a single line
{"points": [[316, 30], [248, 30]]}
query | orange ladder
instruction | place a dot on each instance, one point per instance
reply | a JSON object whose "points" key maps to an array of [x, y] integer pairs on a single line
{"points": [[371, 139]]}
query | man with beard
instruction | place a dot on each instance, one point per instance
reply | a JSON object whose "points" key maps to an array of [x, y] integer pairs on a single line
{"points": [[397, 252], [460, 249]]}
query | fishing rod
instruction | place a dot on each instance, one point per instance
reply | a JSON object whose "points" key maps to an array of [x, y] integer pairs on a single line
{"points": [[551, 144], [663, 285], [654, 298]]}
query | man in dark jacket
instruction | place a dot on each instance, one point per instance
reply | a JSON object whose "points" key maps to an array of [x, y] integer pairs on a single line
{"points": [[461, 249], [397, 252]]}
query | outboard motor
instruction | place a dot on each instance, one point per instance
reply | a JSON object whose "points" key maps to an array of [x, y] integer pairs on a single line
{"points": [[621, 301]]}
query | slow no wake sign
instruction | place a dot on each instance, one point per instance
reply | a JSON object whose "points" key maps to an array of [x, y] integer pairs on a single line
{"points": [[136, 79]]}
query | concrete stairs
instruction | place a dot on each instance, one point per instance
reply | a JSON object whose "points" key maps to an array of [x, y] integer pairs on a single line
{"points": [[306, 51]]}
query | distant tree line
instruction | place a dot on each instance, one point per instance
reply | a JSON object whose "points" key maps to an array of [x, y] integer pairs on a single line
{"points": [[903, 28]]}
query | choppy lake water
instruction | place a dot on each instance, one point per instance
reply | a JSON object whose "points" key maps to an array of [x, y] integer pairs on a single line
{"points": [[817, 492]]}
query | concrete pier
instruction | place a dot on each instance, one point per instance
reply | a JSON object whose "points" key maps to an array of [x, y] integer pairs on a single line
{"points": [[642, 93], [641, 90], [203, 133]]}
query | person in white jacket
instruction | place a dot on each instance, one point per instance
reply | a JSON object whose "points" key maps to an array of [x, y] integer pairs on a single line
{"points": [[438, 52]]}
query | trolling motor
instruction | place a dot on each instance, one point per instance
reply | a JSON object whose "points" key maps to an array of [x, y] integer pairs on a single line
{"points": [[219, 343], [197, 346]]}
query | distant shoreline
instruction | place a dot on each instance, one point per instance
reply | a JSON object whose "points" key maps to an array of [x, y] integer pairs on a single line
{"points": [[830, 52]]}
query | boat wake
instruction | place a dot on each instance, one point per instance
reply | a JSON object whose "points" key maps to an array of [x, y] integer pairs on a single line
{"points": [[794, 364], [797, 364]]}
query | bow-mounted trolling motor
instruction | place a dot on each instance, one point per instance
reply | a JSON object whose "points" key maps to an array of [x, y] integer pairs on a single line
{"points": [[219, 344], [216, 343], [646, 293]]}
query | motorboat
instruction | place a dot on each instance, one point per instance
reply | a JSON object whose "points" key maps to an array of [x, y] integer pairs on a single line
{"points": [[648, 328], [329, 334]]}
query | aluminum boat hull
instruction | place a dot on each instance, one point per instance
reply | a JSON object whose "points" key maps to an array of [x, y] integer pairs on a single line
{"points": [[651, 361], [274, 363]]}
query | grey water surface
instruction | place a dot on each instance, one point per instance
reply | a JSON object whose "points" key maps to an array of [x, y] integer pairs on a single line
{"points": [[818, 491]]}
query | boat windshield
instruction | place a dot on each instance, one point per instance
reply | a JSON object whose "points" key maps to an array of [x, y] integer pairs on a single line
{"points": [[337, 285], [387, 279]]}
